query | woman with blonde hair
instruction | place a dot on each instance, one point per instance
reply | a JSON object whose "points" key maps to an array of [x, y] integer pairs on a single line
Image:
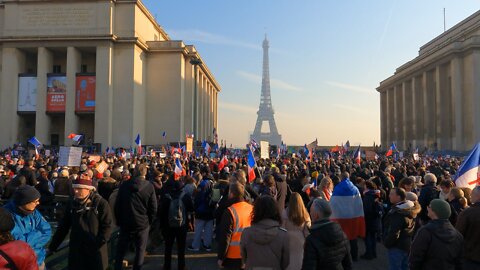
{"points": [[458, 203], [296, 220], [326, 188]]}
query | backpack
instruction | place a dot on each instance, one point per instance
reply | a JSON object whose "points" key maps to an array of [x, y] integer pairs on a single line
{"points": [[215, 196], [176, 212]]}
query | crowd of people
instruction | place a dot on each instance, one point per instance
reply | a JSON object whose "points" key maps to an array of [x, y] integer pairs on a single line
{"points": [[289, 216]]}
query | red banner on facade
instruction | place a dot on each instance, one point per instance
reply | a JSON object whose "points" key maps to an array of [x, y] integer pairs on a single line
{"points": [[56, 93], [85, 94]]}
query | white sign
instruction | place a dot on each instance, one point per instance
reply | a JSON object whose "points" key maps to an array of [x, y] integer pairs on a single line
{"points": [[70, 156], [27, 94], [264, 147], [47, 152]]}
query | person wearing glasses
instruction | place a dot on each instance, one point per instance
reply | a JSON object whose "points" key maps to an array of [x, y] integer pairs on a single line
{"points": [[30, 225]]}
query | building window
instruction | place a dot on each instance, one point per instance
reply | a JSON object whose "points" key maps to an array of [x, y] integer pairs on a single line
{"points": [[84, 69], [57, 69]]}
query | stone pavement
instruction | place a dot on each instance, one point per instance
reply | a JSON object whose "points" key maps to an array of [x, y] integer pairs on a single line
{"points": [[208, 260]]}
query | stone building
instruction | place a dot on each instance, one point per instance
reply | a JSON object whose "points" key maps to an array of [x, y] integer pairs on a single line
{"points": [[102, 68], [432, 100]]}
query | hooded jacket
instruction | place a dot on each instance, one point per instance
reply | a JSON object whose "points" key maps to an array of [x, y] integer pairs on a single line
{"points": [[31, 228], [20, 253], [399, 226], [326, 247], [437, 246], [265, 245], [136, 205]]}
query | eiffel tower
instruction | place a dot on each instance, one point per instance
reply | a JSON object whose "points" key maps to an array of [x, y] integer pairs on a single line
{"points": [[265, 111]]}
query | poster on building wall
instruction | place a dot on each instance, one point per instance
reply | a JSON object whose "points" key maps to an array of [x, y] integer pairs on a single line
{"points": [[85, 94], [27, 94], [56, 93]]}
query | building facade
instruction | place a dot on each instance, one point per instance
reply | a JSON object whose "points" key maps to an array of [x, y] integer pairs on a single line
{"points": [[432, 100], [102, 68]]}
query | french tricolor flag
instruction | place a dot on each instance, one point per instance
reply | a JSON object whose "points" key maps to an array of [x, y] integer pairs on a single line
{"points": [[138, 141], [223, 163], [358, 156], [390, 151], [75, 137], [179, 172], [251, 166], [347, 209], [468, 175]]}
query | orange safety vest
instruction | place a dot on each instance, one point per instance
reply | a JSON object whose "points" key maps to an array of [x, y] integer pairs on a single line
{"points": [[241, 213]]}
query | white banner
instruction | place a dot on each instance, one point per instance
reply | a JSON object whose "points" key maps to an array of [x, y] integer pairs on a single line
{"points": [[70, 156], [27, 94], [264, 147]]}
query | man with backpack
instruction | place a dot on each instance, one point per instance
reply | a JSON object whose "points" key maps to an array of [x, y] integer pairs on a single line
{"points": [[135, 209], [172, 215], [204, 209]]}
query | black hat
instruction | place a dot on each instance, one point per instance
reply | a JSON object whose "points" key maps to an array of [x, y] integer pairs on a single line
{"points": [[25, 194], [6, 220]]}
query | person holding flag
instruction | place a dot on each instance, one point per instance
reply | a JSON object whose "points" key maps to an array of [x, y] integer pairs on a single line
{"points": [[251, 165], [138, 141]]}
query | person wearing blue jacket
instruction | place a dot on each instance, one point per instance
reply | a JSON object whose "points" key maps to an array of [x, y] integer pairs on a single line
{"points": [[30, 225]]}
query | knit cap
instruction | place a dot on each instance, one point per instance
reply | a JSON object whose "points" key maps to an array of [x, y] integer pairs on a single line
{"points": [[441, 208], [25, 194]]}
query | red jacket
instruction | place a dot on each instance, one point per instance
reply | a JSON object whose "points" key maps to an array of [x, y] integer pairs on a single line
{"points": [[21, 254]]}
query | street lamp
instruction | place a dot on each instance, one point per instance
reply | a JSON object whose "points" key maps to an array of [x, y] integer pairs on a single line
{"points": [[195, 62]]}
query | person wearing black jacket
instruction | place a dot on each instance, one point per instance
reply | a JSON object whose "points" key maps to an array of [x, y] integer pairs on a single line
{"points": [[44, 186], [427, 194], [437, 245], [327, 246], [398, 227], [135, 210], [29, 173], [89, 221], [174, 190], [373, 210]]}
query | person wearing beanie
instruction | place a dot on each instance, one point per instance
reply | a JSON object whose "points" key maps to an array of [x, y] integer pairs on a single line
{"points": [[30, 225], [89, 220], [16, 251], [327, 246], [438, 245]]}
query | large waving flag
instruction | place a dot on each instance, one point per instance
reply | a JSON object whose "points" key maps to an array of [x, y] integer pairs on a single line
{"points": [[179, 172], [75, 137], [358, 156], [392, 149], [251, 165], [347, 209], [35, 141], [138, 141], [223, 163], [468, 175]]}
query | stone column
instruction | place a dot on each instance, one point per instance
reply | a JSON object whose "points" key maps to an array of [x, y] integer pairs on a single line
{"points": [[456, 67], [429, 105], [399, 124], [13, 63], [414, 117], [103, 95], [201, 123], [74, 61], [390, 117], [418, 112], [215, 111], [383, 118], [476, 94], [42, 120]]}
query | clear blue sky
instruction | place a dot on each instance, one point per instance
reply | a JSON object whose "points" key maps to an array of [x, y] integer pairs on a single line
{"points": [[326, 58]]}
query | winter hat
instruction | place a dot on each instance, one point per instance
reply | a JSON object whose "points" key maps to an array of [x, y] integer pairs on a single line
{"points": [[25, 194], [323, 206], [226, 170], [405, 205], [411, 196], [84, 181], [6, 220], [441, 208]]}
